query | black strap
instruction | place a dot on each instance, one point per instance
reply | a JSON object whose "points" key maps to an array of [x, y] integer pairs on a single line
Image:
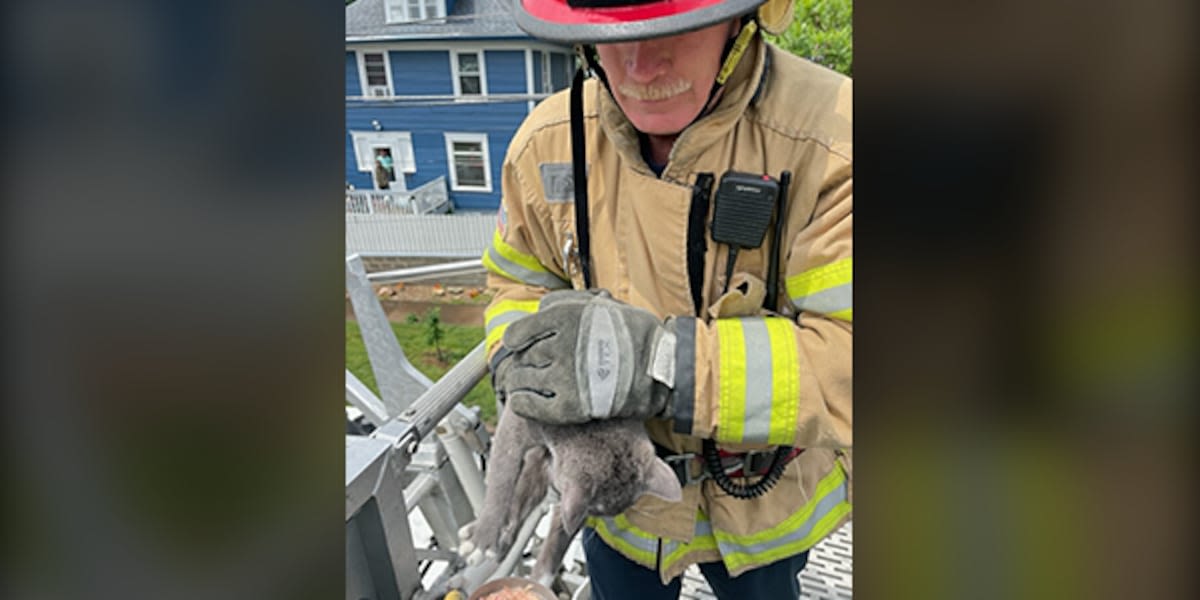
{"points": [[771, 302], [583, 240], [697, 244]]}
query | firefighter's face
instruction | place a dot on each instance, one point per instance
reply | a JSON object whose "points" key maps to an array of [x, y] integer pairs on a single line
{"points": [[662, 84]]}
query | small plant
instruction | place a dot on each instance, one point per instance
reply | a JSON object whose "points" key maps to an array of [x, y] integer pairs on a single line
{"points": [[434, 332]]}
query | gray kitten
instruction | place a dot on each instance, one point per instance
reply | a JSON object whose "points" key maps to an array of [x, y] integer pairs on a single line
{"points": [[599, 468]]}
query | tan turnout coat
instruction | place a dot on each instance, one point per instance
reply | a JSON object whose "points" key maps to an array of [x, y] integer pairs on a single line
{"points": [[778, 113]]}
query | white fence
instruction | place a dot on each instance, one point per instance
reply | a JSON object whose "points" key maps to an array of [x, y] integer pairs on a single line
{"points": [[429, 198], [465, 234]]}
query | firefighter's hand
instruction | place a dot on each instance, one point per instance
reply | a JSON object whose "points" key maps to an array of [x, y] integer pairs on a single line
{"points": [[585, 356]]}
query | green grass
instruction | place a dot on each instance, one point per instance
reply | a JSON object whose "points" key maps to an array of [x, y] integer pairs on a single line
{"points": [[457, 342]]}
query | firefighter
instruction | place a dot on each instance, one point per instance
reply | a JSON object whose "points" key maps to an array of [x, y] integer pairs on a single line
{"points": [[742, 375]]}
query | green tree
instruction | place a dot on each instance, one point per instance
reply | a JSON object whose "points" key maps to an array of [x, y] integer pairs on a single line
{"points": [[822, 32]]}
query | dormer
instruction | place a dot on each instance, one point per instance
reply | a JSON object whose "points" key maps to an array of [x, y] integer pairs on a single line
{"points": [[409, 11]]}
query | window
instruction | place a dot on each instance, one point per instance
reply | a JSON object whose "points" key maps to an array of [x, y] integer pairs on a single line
{"points": [[469, 74], [547, 84], [376, 75], [368, 146], [403, 11], [470, 168]]}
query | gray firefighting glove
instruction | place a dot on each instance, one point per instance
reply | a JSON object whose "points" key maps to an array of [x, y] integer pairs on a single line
{"points": [[585, 356]]}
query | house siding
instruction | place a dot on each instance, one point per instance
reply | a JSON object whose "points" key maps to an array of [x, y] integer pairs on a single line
{"points": [[353, 85], [427, 72], [505, 71], [421, 72], [427, 126]]}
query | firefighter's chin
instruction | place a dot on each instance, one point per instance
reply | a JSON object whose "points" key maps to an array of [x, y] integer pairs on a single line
{"points": [[659, 118]]}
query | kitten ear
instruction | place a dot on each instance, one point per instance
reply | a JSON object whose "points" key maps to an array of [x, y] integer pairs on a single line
{"points": [[573, 508], [662, 482]]}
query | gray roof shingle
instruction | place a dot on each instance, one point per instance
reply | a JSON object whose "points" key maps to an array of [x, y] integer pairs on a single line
{"points": [[366, 20]]}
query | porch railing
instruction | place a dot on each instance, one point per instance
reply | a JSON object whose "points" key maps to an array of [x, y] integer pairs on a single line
{"points": [[431, 197]]}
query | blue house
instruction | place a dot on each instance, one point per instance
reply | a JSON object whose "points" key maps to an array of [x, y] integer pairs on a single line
{"points": [[437, 88]]}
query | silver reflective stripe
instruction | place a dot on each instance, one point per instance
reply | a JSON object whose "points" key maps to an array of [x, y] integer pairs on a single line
{"points": [[759, 378], [641, 543], [504, 318], [601, 360], [514, 271], [825, 506], [827, 301], [703, 529]]}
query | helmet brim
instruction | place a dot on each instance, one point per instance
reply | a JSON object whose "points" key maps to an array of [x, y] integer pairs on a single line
{"points": [[601, 31]]}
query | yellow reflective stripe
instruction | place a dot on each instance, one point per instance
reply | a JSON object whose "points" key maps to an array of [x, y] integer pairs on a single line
{"points": [[839, 272], [498, 316], [828, 289], [513, 255], [620, 534], [759, 385], [797, 533], [491, 265], [504, 306], [504, 260], [785, 385], [845, 315], [731, 407], [702, 539], [828, 484], [494, 336], [820, 529]]}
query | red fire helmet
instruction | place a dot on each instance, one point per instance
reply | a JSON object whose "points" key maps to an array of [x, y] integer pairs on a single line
{"points": [[606, 21]]}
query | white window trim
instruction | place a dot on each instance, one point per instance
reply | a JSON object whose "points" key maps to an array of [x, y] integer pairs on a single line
{"points": [[399, 141], [547, 74], [391, 17], [362, 73], [482, 138], [483, 88], [529, 76]]}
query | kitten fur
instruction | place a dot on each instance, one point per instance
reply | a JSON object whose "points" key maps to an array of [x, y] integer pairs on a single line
{"points": [[600, 468]]}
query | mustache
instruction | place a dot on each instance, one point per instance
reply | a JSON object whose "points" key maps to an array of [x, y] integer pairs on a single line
{"points": [[655, 91]]}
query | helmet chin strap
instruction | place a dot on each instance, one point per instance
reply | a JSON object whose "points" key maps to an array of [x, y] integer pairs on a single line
{"points": [[735, 48], [732, 54]]}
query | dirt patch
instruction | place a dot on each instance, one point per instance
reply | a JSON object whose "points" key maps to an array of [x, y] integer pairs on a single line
{"points": [[457, 305]]}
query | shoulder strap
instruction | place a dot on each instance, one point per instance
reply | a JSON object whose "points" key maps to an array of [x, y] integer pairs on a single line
{"points": [[579, 162]]}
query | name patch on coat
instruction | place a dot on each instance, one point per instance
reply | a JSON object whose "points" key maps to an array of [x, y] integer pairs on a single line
{"points": [[558, 182]]}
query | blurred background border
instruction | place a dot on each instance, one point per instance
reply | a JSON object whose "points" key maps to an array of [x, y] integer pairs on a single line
{"points": [[173, 304]]}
